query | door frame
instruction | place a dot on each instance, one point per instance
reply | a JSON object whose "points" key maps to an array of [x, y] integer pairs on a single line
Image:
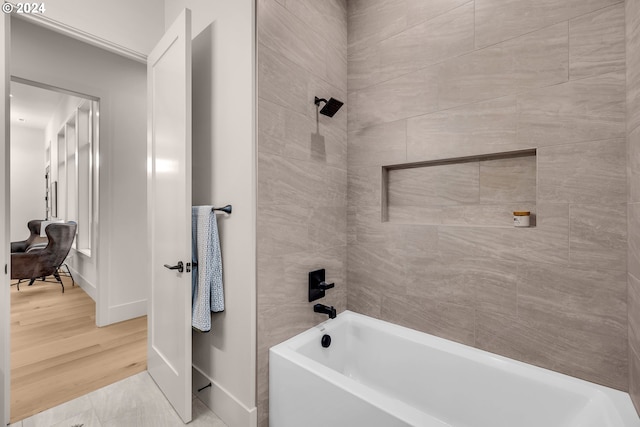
{"points": [[5, 207], [5, 200]]}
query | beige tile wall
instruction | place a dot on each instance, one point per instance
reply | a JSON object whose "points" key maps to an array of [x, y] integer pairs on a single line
{"points": [[433, 80], [302, 168], [632, 14]]}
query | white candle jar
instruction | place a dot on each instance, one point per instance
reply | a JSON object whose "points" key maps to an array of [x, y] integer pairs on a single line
{"points": [[521, 218]]}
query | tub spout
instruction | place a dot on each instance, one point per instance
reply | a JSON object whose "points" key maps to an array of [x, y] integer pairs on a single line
{"points": [[321, 308]]}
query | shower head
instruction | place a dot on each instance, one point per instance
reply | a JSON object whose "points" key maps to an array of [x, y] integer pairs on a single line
{"points": [[331, 106]]}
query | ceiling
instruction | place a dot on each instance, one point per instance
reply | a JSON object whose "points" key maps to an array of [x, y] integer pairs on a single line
{"points": [[33, 106]]}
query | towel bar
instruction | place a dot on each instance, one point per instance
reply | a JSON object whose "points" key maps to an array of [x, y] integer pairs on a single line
{"points": [[227, 209]]}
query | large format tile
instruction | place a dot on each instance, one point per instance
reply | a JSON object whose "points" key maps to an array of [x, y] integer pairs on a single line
{"points": [[633, 245], [134, 401], [289, 37], [580, 110], [505, 180], [486, 285], [281, 81], [383, 144], [59, 413], [281, 230], [328, 18], [634, 378], [534, 60], [589, 172], [548, 241], [135, 395], [376, 268], [633, 165], [599, 236], [363, 66], [375, 20], [480, 128], [85, 419], [479, 242], [633, 302], [430, 278], [450, 321], [399, 240], [506, 335], [582, 353], [364, 300], [410, 95], [446, 36], [293, 135], [581, 299], [365, 186], [420, 11], [315, 185], [435, 185], [597, 42], [632, 14], [498, 20]]}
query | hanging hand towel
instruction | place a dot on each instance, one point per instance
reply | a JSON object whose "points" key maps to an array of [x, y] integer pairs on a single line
{"points": [[207, 287]]}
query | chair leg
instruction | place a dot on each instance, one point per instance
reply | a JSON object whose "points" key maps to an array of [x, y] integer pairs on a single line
{"points": [[57, 276], [68, 273], [31, 281]]}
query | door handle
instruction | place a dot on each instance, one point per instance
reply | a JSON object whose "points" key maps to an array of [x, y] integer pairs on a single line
{"points": [[179, 267]]}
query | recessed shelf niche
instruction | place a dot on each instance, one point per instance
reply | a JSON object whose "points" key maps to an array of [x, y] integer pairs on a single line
{"points": [[479, 190]]}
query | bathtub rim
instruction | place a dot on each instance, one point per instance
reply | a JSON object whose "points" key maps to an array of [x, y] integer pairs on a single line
{"points": [[618, 403]]}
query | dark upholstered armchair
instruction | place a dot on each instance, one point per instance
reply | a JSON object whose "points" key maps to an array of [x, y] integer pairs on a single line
{"points": [[40, 263], [34, 237]]}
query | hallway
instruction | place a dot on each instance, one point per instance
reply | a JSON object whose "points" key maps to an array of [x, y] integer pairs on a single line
{"points": [[58, 353]]}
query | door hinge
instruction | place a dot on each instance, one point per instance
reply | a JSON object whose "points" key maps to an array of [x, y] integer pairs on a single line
{"points": [[5, 269]]}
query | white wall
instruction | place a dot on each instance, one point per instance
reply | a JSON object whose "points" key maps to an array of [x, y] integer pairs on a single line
{"points": [[83, 268], [27, 179], [136, 25], [50, 58], [224, 173]]}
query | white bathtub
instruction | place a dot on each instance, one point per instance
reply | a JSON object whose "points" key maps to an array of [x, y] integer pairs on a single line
{"points": [[377, 374]]}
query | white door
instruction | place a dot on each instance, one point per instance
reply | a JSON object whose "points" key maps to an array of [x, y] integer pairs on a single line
{"points": [[169, 214], [5, 252]]}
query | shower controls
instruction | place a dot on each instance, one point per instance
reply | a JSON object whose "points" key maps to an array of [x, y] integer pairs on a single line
{"points": [[317, 285]]}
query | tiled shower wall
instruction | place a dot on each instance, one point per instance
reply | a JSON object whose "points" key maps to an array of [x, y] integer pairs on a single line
{"points": [[441, 79], [302, 168], [633, 169]]}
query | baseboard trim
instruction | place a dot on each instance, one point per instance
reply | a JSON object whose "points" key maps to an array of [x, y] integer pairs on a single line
{"points": [[89, 288], [230, 410], [130, 310]]}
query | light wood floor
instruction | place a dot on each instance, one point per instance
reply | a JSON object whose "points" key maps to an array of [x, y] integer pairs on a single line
{"points": [[58, 353]]}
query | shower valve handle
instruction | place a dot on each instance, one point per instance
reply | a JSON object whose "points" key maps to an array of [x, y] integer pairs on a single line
{"points": [[325, 285], [317, 285]]}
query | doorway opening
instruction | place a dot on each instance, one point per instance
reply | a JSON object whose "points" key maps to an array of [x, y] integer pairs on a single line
{"points": [[57, 351]]}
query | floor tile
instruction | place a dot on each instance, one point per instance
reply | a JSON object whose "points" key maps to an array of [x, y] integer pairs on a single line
{"points": [[133, 402]]}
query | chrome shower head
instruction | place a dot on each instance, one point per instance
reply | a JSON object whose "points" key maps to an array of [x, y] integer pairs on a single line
{"points": [[331, 106]]}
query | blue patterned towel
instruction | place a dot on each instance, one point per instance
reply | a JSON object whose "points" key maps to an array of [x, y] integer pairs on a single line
{"points": [[206, 286]]}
